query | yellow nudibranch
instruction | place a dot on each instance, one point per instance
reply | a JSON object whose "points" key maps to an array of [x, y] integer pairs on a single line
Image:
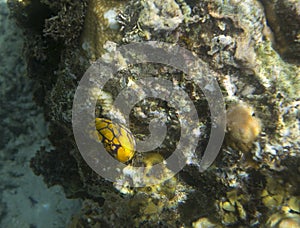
{"points": [[116, 138]]}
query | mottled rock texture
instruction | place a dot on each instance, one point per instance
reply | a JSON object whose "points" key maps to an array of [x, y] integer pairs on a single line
{"points": [[235, 42]]}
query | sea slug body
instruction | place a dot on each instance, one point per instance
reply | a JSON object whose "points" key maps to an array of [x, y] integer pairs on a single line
{"points": [[116, 138]]}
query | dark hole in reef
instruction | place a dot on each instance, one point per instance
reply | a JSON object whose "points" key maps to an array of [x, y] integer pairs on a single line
{"points": [[36, 13]]}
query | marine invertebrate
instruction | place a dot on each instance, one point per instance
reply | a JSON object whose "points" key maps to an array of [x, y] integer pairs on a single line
{"points": [[242, 125], [117, 139]]}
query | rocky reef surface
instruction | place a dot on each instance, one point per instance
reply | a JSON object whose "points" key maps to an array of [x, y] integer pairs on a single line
{"points": [[252, 49]]}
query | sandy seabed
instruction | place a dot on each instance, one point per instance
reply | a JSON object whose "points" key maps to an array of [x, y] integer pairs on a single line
{"points": [[25, 200]]}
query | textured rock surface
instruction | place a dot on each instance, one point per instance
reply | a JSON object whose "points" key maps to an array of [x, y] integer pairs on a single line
{"points": [[284, 18], [250, 187]]}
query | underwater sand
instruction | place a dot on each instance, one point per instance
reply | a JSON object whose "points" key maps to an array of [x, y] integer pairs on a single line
{"points": [[25, 200]]}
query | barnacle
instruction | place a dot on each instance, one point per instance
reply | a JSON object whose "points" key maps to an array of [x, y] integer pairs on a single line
{"points": [[116, 138]]}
